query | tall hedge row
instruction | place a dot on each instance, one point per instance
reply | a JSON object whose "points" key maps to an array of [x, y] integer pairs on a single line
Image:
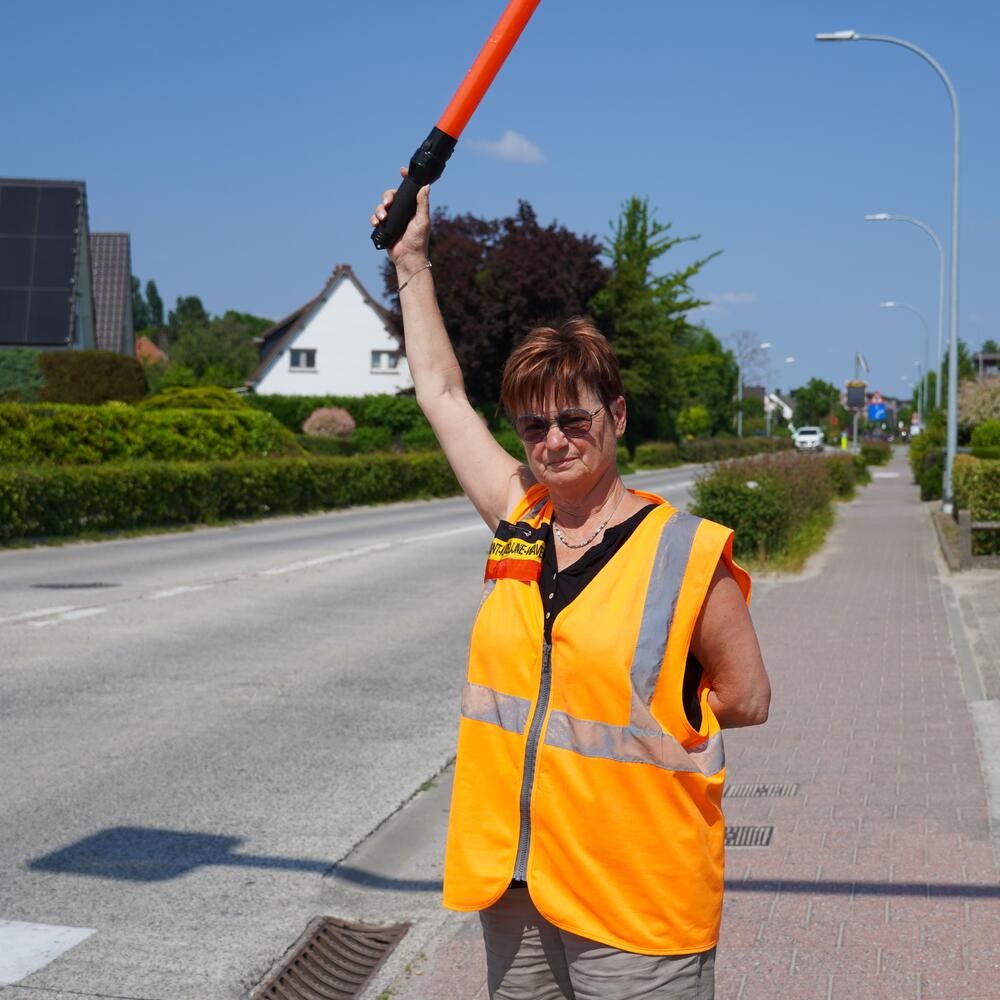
{"points": [[63, 434], [767, 499], [67, 500], [398, 414], [976, 483], [660, 454]]}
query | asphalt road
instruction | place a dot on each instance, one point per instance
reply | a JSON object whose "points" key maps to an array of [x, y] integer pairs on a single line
{"points": [[194, 727]]}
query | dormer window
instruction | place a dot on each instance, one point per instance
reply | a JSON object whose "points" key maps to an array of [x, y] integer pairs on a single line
{"points": [[302, 359]]}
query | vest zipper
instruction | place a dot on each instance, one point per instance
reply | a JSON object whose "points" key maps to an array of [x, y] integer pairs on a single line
{"points": [[530, 757]]}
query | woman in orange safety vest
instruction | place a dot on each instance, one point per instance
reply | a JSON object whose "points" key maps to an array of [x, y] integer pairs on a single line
{"points": [[612, 645]]}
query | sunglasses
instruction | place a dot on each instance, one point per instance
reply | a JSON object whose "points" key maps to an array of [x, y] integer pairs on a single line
{"points": [[574, 421]]}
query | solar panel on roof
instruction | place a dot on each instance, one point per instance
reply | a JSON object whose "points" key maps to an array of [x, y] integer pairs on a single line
{"points": [[40, 232], [18, 210]]}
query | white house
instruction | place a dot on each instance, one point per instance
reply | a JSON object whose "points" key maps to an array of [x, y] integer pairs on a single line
{"points": [[341, 343]]}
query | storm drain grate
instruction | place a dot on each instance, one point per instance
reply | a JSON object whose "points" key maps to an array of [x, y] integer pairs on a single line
{"points": [[761, 791], [72, 586], [333, 960], [749, 836]]}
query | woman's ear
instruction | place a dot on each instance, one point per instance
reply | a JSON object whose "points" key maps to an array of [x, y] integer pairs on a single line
{"points": [[617, 409]]}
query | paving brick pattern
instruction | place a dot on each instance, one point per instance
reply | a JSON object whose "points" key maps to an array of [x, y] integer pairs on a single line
{"points": [[880, 882]]}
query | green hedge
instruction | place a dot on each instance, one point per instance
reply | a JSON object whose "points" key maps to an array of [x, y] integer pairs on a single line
{"points": [[986, 435], [876, 452], [206, 397], [397, 414], [660, 454], [766, 499], [656, 455], [91, 377], [977, 489], [68, 500], [83, 435], [927, 453]]}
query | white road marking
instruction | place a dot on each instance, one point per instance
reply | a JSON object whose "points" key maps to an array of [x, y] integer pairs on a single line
{"points": [[365, 550], [70, 616], [26, 948], [885, 475], [307, 563], [37, 613], [175, 591]]}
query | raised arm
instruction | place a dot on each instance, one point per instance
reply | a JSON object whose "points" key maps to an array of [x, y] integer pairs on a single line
{"points": [[492, 479]]}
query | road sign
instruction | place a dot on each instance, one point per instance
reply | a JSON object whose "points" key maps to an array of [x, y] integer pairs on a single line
{"points": [[876, 411], [876, 397], [855, 395]]}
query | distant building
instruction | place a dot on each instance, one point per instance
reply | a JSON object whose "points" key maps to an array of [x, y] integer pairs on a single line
{"points": [[46, 295], [148, 353], [341, 343], [111, 267], [987, 364]]}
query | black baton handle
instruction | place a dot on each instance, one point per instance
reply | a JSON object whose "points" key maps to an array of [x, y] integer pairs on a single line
{"points": [[426, 166]]}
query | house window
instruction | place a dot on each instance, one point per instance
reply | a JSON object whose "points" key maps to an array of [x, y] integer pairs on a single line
{"points": [[385, 361], [303, 359]]}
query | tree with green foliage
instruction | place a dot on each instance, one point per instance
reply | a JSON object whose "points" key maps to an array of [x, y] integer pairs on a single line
{"points": [[694, 422], [644, 315], [154, 305], [815, 402], [990, 346], [218, 352], [496, 279], [140, 310], [706, 376], [188, 312]]}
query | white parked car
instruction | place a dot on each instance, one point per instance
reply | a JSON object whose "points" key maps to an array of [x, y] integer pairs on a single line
{"points": [[808, 439]]}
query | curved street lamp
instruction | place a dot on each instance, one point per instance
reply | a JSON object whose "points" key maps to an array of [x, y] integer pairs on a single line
{"points": [[885, 217], [856, 36]]}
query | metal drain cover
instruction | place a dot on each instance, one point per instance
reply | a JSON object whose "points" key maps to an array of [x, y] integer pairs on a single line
{"points": [[72, 586], [333, 960], [749, 836], [761, 791]]}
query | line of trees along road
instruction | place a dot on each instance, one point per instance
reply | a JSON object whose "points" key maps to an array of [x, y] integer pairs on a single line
{"points": [[499, 278]]}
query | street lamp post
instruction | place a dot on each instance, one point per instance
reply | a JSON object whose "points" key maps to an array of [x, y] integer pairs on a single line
{"points": [[952, 433], [885, 217], [922, 386]]}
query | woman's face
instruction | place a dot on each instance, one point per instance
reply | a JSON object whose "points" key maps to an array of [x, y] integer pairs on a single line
{"points": [[575, 461]]}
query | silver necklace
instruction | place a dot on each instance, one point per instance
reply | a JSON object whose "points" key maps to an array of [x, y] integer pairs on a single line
{"points": [[583, 545]]}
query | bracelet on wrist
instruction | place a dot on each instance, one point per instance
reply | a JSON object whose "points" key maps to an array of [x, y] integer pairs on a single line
{"points": [[426, 267]]}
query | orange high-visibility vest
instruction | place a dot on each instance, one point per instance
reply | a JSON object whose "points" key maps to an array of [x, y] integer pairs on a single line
{"points": [[577, 767]]}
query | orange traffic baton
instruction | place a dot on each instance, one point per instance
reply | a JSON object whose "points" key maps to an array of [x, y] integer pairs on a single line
{"points": [[428, 162]]}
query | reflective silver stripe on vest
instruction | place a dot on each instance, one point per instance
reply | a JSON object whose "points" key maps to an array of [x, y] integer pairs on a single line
{"points": [[643, 740], [632, 745], [504, 710]]}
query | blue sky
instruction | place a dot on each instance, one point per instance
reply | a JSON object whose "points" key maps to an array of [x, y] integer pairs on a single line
{"points": [[243, 144]]}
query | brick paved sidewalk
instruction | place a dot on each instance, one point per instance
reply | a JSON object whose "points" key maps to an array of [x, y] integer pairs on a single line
{"points": [[880, 881]]}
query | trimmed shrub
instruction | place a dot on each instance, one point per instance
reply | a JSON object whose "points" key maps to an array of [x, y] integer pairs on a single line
{"points": [[977, 489], [876, 452], [656, 455], [206, 397], [329, 422], [987, 453], [717, 449], [765, 499], [369, 439], [82, 435], [326, 446], [927, 462], [91, 377], [396, 413], [21, 379], [68, 500], [843, 473], [987, 435]]}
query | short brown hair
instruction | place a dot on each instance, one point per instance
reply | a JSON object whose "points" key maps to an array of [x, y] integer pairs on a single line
{"points": [[558, 362]]}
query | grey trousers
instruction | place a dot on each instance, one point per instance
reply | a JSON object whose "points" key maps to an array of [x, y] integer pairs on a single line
{"points": [[529, 958]]}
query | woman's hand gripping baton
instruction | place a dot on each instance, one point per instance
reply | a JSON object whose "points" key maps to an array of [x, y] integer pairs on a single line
{"points": [[427, 163]]}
